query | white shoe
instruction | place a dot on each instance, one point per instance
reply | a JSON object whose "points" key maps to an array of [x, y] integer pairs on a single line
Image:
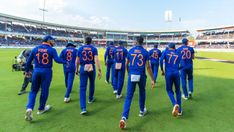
{"points": [[175, 110], [106, 82], [184, 97], [28, 115], [180, 113], [91, 101], [115, 92], [122, 123], [47, 108], [83, 112], [67, 100], [142, 113], [118, 96]]}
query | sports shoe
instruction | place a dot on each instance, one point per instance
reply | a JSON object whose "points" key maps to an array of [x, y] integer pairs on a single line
{"points": [[122, 123], [91, 101], [22, 92], [190, 95], [175, 110], [142, 113], [184, 97], [180, 113], [83, 112], [47, 108], [67, 100], [28, 115], [118, 96], [115, 92], [106, 82]]}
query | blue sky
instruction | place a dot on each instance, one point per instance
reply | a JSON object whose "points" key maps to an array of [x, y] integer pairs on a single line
{"points": [[127, 14]]}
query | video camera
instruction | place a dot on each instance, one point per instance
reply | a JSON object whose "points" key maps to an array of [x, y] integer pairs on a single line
{"points": [[18, 67]]}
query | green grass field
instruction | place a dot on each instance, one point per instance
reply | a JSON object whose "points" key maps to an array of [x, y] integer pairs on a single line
{"points": [[211, 109]]}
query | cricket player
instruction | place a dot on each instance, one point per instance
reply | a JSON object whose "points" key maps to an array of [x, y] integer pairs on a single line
{"points": [[69, 54], [172, 76], [154, 55], [120, 55], [186, 65], [137, 62], [43, 56], [87, 58], [108, 60]]}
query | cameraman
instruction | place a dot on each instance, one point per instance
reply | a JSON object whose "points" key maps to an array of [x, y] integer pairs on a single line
{"points": [[21, 59]]}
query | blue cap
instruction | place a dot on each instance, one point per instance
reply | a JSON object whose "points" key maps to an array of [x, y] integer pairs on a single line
{"points": [[70, 44], [184, 41], [121, 42], [171, 45], [110, 43], [47, 38]]}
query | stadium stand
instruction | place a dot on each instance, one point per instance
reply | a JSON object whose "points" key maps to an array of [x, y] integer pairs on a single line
{"points": [[221, 37], [21, 31]]}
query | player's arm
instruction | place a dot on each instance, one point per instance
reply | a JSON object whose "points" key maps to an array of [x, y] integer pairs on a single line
{"points": [[61, 55], [57, 59], [97, 62], [150, 73], [126, 65], [28, 63], [193, 54], [77, 65], [127, 62], [105, 56], [161, 62]]}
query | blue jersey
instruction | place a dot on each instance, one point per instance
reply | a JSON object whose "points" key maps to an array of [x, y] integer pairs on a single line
{"points": [[154, 55], [120, 54], [69, 54], [172, 60], [137, 57], [43, 56], [109, 54], [187, 54], [86, 54]]}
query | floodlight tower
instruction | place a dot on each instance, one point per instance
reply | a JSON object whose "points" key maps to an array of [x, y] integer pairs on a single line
{"points": [[43, 10], [168, 18]]}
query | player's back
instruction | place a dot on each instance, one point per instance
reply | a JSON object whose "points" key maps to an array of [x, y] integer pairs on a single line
{"points": [[69, 54], [109, 53], [43, 56], [137, 57], [154, 55], [172, 60], [120, 54], [86, 54], [187, 54]]}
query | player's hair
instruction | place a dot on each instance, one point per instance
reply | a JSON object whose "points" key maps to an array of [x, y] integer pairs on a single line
{"points": [[185, 41], [156, 46], [88, 40], [140, 40]]}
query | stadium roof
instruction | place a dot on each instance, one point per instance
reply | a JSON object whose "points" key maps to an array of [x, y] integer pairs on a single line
{"points": [[10, 18], [216, 28]]}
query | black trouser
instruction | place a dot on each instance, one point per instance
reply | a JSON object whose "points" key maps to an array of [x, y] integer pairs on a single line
{"points": [[27, 80]]}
